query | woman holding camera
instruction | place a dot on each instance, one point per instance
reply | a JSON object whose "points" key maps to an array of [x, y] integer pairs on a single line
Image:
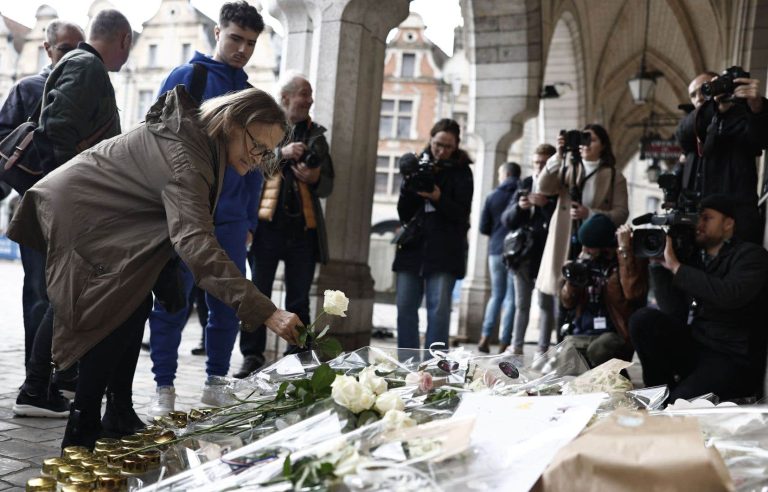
{"points": [[601, 187], [431, 252], [110, 220]]}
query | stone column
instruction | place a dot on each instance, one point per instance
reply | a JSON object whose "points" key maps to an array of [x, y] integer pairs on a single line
{"points": [[504, 49], [346, 71]]}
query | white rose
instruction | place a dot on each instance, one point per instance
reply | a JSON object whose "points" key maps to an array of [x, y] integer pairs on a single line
{"points": [[347, 392], [370, 380], [389, 401], [335, 302], [397, 419]]}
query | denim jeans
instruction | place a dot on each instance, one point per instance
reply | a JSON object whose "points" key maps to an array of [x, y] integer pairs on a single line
{"points": [[411, 287], [297, 250], [502, 300], [34, 298], [524, 288], [223, 325]]}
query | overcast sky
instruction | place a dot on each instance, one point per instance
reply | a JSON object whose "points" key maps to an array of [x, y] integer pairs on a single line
{"points": [[440, 16]]}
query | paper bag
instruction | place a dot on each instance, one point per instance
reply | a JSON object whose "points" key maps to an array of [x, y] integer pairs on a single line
{"points": [[634, 452]]}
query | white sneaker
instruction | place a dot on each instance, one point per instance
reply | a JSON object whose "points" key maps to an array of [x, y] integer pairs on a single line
{"points": [[163, 402], [216, 394]]}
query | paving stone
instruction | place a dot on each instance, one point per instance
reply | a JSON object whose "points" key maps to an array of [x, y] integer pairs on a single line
{"points": [[31, 434], [7, 426], [40, 423], [6, 486], [8, 465], [19, 479], [21, 450]]}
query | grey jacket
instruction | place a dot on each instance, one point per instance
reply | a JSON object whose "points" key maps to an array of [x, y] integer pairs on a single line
{"points": [[110, 219]]}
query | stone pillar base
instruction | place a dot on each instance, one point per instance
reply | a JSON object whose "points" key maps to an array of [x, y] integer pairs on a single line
{"points": [[354, 279], [474, 297]]}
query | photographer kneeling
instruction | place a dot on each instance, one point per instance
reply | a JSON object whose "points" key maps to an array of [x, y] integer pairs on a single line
{"points": [[722, 347], [604, 286]]}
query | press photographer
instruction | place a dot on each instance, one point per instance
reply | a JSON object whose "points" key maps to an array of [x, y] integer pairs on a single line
{"points": [[722, 138], [721, 347], [604, 286], [431, 249], [592, 178]]}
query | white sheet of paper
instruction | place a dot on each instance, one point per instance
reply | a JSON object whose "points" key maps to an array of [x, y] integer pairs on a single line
{"points": [[519, 437]]}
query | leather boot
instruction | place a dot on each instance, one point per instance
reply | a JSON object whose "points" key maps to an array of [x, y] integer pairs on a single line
{"points": [[120, 419], [484, 345], [83, 428], [251, 363]]}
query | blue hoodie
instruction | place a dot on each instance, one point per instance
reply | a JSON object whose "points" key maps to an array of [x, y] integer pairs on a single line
{"points": [[239, 198]]}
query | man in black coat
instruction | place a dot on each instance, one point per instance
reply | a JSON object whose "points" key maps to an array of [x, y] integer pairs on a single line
{"points": [[722, 347], [722, 139], [502, 300]]}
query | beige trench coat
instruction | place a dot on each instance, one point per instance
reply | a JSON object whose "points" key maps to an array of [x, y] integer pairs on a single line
{"points": [[111, 218], [556, 248]]}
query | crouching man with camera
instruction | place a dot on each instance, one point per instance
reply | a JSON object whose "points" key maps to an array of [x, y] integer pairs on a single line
{"points": [[722, 347], [603, 287]]}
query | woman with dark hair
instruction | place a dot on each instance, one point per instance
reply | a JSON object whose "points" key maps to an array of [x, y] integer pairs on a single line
{"points": [[602, 188], [431, 253], [112, 217]]}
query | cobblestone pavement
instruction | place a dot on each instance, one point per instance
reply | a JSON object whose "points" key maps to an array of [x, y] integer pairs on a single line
{"points": [[25, 442]]}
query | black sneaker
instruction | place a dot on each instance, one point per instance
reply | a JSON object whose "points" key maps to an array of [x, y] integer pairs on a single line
{"points": [[251, 363], [50, 404], [199, 350]]}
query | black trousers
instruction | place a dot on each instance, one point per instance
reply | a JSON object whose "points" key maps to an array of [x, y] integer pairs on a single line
{"points": [[111, 363], [669, 355]]}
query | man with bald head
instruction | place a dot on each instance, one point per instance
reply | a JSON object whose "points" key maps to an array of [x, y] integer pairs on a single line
{"points": [[722, 139], [291, 223], [79, 110], [22, 101]]}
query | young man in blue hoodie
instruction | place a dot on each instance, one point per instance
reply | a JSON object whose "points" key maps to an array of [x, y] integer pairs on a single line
{"points": [[235, 217], [502, 280]]}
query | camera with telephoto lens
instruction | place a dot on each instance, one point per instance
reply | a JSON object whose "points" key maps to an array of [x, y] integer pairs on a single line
{"points": [[678, 221], [582, 272], [724, 83], [418, 172], [574, 139]]}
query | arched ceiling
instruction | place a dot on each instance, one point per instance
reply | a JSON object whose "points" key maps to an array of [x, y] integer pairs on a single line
{"points": [[685, 37]]}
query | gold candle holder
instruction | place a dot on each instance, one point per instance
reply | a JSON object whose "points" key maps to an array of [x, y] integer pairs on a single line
{"points": [[112, 482], [70, 450], [51, 466], [67, 471], [41, 484], [165, 437], [93, 463], [76, 488], [134, 466], [151, 457], [107, 441], [83, 479]]}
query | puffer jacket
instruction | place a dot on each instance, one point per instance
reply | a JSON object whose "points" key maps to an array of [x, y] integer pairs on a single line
{"points": [[111, 218]]}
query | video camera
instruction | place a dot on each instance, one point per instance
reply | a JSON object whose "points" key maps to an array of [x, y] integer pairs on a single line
{"points": [[418, 173], [583, 271], [724, 83], [680, 218]]}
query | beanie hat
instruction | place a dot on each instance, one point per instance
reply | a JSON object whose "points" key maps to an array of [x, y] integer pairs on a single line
{"points": [[721, 202], [598, 232]]}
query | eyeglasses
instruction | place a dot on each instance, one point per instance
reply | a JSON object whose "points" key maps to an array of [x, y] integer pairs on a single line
{"points": [[442, 146], [260, 151]]}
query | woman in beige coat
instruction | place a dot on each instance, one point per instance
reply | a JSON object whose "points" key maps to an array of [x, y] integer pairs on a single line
{"points": [[603, 189], [113, 216]]}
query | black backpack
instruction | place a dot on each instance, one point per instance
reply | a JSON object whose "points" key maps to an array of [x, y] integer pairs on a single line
{"points": [[518, 245]]}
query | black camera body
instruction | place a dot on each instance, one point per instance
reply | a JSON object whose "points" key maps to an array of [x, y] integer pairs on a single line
{"points": [[582, 272], [680, 219], [574, 139], [309, 158], [724, 84], [418, 172]]}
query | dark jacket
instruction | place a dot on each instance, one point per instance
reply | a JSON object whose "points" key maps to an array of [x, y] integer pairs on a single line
{"points": [[110, 219], [537, 218], [490, 218], [731, 293], [239, 198], [625, 290], [287, 202], [730, 143], [22, 101], [442, 245], [78, 101]]}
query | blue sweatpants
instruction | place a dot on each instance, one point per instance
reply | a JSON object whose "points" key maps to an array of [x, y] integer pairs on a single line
{"points": [[223, 325]]}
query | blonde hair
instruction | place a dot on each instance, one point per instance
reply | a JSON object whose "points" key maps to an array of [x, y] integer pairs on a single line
{"points": [[220, 115]]}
